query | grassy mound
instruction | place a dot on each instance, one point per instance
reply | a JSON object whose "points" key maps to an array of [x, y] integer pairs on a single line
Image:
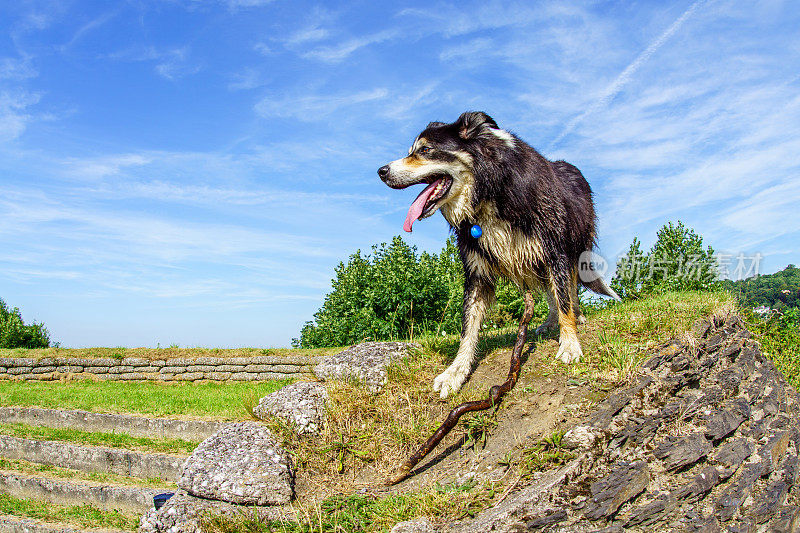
{"points": [[340, 473]]}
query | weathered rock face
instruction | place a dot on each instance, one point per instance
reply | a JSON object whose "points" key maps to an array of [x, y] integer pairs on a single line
{"points": [[184, 513], [706, 438], [365, 362], [241, 463], [302, 404], [418, 525]]}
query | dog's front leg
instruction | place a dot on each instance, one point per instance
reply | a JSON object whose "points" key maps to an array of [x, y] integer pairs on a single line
{"points": [[478, 296]]}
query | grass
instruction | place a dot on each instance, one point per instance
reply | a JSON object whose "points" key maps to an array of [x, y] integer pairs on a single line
{"points": [[363, 427], [81, 515], [366, 513], [27, 467], [616, 337], [779, 336], [545, 454], [171, 351], [227, 401], [114, 440]]}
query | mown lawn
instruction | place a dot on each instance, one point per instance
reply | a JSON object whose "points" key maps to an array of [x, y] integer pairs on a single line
{"points": [[161, 353], [225, 401]]}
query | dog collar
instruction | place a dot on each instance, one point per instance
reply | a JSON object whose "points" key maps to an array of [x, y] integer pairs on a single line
{"points": [[475, 231]]}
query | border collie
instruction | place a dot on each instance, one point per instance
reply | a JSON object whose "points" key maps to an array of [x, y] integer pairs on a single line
{"points": [[515, 214]]}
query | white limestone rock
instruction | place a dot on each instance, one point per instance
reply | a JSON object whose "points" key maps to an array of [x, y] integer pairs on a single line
{"points": [[302, 404], [241, 463], [365, 362]]}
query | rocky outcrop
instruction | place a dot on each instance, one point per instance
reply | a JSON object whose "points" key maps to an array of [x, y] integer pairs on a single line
{"points": [[300, 404], [705, 438], [365, 362], [184, 513], [242, 464]]}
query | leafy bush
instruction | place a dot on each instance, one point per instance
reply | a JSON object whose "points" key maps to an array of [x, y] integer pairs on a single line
{"points": [[676, 262], [15, 334], [396, 293]]}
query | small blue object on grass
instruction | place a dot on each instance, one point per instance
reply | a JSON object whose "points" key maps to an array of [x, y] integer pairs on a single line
{"points": [[476, 231], [161, 499]]}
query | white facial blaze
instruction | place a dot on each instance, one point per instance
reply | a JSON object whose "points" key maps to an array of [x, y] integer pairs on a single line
{"points": [[415, 145]]}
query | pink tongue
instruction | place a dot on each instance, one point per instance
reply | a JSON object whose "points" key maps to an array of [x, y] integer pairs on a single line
{"points": [[419, 204]]}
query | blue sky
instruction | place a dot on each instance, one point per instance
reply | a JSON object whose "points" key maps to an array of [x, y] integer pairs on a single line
{"points": [[191, 171]]}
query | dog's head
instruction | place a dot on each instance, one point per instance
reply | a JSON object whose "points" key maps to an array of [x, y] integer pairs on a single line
{"points": [[443, 157]]}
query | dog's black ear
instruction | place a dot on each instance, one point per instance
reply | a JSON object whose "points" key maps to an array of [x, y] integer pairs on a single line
{"points": [[473, 123], [435, 125]]}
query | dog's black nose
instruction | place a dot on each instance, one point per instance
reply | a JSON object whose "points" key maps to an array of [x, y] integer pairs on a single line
{"points": [[383, 171]]}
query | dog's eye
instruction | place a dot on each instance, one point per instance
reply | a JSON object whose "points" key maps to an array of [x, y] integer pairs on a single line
{"points": [[425, 149]]}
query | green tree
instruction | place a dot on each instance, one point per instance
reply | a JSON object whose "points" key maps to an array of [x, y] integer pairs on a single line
{"points": [[15, 334], [676, 262], [394, 293], [780, 290]]}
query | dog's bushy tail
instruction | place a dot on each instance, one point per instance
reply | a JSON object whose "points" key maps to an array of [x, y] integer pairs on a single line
{"points": [[599, 286]]}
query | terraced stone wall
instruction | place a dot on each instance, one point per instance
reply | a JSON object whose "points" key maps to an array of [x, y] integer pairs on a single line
{"points": [[257, 368]]}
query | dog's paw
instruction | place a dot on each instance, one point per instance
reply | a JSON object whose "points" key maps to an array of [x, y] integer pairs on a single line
{"points": [[449, 381], [569, 351]]}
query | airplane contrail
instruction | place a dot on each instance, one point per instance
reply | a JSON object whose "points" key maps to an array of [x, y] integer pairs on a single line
{"points": [[616, 86]]}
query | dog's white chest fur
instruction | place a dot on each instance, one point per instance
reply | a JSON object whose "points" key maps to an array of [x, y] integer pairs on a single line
{"points": [[515, 252]]}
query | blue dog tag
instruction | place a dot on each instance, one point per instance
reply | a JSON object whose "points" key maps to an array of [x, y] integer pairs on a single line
{"points": [[476, 231]]}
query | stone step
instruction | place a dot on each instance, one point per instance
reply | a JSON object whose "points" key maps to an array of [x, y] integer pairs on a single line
{"points": [[13, 524], [93, 458], [139, 426], [27, 468], [104, 496]]}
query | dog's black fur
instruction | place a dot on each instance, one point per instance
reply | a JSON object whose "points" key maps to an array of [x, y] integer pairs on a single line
{"points": [[537, 218]]}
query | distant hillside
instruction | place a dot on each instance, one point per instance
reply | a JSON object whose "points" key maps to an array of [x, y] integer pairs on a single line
{"points": [[778, 290]]}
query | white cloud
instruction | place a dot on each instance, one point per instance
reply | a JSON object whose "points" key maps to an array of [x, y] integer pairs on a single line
{"points": [[172, 63], [102, 167], [479, 49], [307, 35], [340, 52], [14, 117], [87, 28], [249, 78], [312, 107], [625, 76], [235, 4], [263, 48], [16, 69]]}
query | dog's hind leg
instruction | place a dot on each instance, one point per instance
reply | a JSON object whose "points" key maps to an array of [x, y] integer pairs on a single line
{"points": [[478, 296], [564, 290], [552, 313], [576, 303]]}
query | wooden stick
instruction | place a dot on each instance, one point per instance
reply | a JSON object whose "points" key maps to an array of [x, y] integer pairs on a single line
{"points": [[496, 394]]}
